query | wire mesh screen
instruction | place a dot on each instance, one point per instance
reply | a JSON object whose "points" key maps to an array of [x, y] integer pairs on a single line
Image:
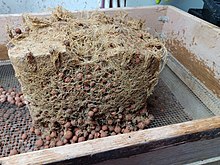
{"points": [[14, 121]]}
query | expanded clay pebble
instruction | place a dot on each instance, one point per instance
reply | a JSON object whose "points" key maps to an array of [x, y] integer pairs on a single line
{"points": [[113, 133], [128, 117], [78, 132], [65, 141], [93, 132], [11, 97], [126, 130], [141, 125], [18, 31], [59, 143], [52, 143], [67, 125], [117, 129], [3, 98], [39, 143], [24, 136], [32, 130], [91, 136], [37, 132], [68, 135], [13, 152], [48, 138], [46, 147], [90, 113], [110, 122], [79, 76], [61, 133], [98, 128], [47, 142], [74, 139], [111, 128], [104, 134], [81, 139], [147, 122], [53, 134], [96, 135], [104, 127]]}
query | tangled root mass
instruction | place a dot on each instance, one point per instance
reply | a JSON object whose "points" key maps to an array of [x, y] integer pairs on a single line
{"points": [[108, 69]]}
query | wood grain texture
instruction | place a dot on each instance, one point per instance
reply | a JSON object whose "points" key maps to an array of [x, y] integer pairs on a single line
{"points": [[3, 52], [120, 146], [196, 44], [199, 89], [200, 152]]}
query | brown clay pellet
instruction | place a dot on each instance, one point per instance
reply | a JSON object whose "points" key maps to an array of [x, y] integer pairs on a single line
{"points": [[65, 141], [39, 143], [18, 31], [96, 135], [113, 133], [32, 129], [37, 132], [104, 134], [126, 130], [110, 122], [104, 127], [61, 133], [13, 152], [93, 132], [90, 136], [79, 76], [53, 134], [147, 122], [97, 129], [68, 135], [59, 143], [48, 138], [24, 136], [117, 129], [141, 125], [78, 132], [95, 110], [90, 113], [52, 143], [67, 125], [75, 138], [46, 147], [81, 139], [111, 128]]}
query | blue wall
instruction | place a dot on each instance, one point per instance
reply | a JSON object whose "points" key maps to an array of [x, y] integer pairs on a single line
{"points": [[21, 6], [182, 4]]}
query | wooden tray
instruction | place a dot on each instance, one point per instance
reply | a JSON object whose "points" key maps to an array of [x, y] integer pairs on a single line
{"points": [[194, 47]]}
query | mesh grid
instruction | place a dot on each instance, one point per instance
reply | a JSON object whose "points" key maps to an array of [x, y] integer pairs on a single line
{"points": [[165, 107], [15, 121]]}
